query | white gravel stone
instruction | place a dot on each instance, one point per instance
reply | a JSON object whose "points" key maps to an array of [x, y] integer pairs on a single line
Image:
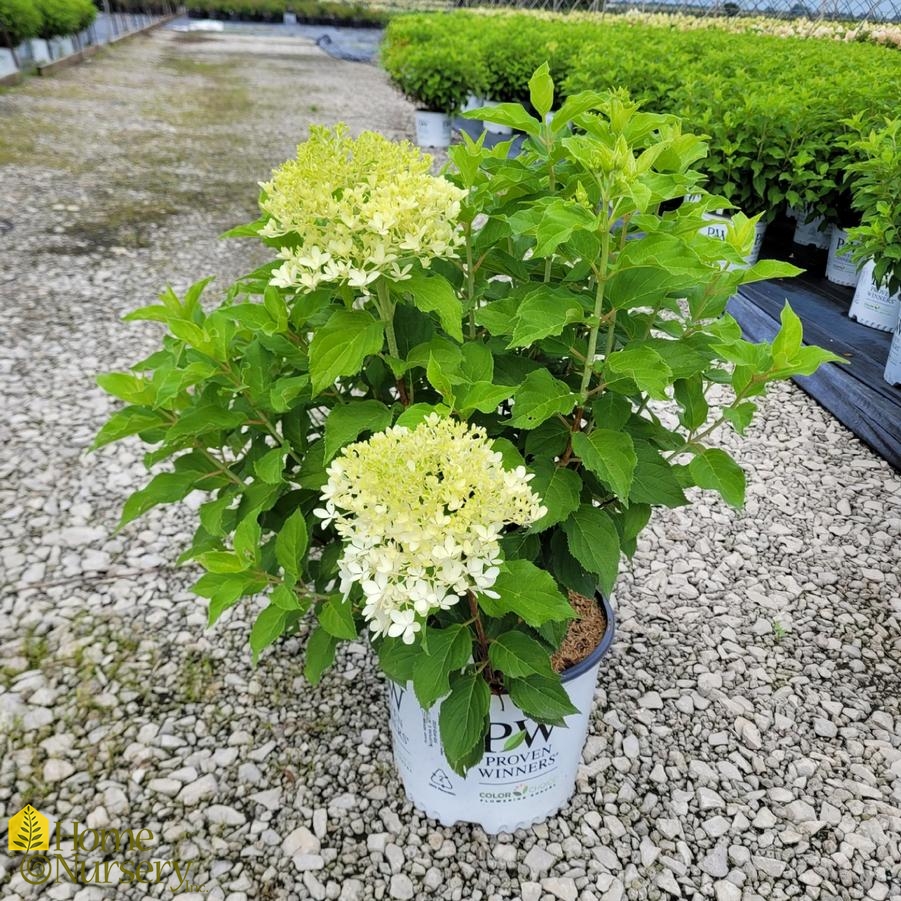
{"points": [[300, 841], [401, 887], [561, 887], [538, 860], [726, 891]]}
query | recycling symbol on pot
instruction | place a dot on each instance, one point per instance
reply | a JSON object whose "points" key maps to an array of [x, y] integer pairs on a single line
{"points": [[441, 781]]}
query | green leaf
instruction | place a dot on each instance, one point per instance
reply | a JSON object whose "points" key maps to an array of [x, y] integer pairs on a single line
{"points": [[610, 456], [222, 562], [740, 416], [398, 660], [542, 698], [271, 465], [204, 419], [559, 489], [543, 312], [594, 542], [515, 740], [643, 366], [417, 413], [291, 544], [509, 451], [247, 538], [224, 589], [463, 719], [164, 488], [787, 342], [655, 482], [341, 346], [715, 469], [267, 627], [516, 654], [611, 411], [541, 90], [689, 394], [540, 397], [441, 380], [320, 654], [449, 650], [511, 114], [133, 389], [337, 618], [346, 422], [129, 421], [286, 599], [432, 293], [529, 592], [482, 396]]}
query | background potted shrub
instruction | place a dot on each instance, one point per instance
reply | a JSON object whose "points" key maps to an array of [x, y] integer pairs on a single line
{"points": [[19, 21], [383, 312], [438, 92], [876, 243]]}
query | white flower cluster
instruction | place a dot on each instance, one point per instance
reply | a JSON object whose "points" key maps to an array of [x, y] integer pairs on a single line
{"points": [[362, 207], [421, 513]]}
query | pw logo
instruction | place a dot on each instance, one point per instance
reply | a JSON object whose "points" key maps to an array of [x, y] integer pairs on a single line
{"points": [[29, 831]]}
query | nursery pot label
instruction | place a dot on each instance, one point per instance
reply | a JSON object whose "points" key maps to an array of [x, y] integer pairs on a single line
{"points": [[872, 305], [809, 233], [527, 772], [840, 268]]}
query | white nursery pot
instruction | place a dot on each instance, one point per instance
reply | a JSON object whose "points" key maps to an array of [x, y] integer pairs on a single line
{"points": [[7, 63], [893, 366], [433, 129], [289, 18], [808, 233], [872, 305], [40, 51], [473, 101], [494, 129], [840, 268], [506, 790]]}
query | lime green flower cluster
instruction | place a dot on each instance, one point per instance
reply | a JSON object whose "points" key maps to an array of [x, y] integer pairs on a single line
{"points": [[364, 208], [421, 513]]}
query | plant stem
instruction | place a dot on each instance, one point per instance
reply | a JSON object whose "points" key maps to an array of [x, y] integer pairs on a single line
{"points": [[470, 282], [598, 310], [385, 307], [480, 636]]}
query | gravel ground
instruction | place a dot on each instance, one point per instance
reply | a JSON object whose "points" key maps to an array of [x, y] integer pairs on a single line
{"points": [[745, 743]]}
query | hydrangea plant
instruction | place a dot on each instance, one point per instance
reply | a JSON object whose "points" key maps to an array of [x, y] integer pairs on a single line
{"points": [[448, 401]]}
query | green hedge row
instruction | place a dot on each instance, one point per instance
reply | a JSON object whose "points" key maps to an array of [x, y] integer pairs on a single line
{"points": [[336, 11], [24, 19], [784, 115]]}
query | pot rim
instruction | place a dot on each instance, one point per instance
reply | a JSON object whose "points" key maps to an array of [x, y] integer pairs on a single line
{"points": [[594, 658]]}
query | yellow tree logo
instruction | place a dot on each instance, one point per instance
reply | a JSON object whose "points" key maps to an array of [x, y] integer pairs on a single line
{"points": [[29, 830]]}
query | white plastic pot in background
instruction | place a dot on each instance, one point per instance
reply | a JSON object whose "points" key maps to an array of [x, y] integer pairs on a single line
{"points": [[893, 366], [473, 101], [289, 18], [433, 129], [60, 47], [809, 233], [511, 787], [7, 63], [872, 305], [840, 268], [40, 51], [718, 227]]}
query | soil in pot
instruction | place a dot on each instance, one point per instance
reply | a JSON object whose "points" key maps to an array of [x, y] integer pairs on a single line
{"points": [[584, 633]]}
